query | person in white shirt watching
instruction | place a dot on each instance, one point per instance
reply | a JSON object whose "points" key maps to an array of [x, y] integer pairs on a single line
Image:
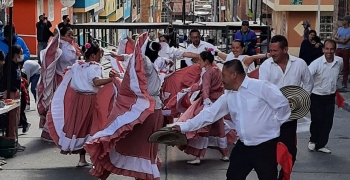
{"points": [[283, 69], [257, 109], [325, 71], [197, 47]]}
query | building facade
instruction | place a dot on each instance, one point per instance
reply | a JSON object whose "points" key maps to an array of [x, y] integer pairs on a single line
{"points": [[287, 17], [26, 27]]}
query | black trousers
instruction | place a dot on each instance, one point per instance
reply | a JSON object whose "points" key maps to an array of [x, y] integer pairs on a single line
{"points": [[262, 158], [322, 112], [288, 136]]}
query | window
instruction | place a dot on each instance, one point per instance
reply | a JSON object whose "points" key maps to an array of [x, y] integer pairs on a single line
{"points": [[51, 14], [342, 8], [64, 11], [40, 7], [326, 27]]}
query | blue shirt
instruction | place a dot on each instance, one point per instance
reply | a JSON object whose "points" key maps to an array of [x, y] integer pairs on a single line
{"points": [[249, 37], [343, 33], [18, 41]]}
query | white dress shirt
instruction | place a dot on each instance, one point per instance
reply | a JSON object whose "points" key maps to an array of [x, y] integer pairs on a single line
{"points": [[249, 69], [296, 73], [325, 75], [201, 47], [257, 110]]}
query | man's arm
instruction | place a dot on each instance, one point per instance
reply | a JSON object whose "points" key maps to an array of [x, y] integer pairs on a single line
{"points": [[48, 24], [342, 41], [306, 78], [253, 40], [313, 67], [275, 99], [207, 116]]}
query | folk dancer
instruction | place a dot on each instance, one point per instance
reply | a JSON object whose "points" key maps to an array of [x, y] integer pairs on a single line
{"points": [[257, 116], [61, 53], [283, 69], [325, 71], [122, 146], [214, 135], [73, 113]]}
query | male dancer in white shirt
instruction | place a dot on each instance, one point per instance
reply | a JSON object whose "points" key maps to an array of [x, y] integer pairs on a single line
{"points": [[257, 109], [283, 69], [196, 47], [325, 71]]}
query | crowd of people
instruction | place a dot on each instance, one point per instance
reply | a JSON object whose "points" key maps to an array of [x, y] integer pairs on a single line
{"points": [[83, 112]]}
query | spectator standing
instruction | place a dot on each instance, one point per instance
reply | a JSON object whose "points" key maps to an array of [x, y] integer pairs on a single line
{"points": [[43, 33], [65, 23], [311, 48], [5, 42], [342, 38], [306, 24], [248, 37]]}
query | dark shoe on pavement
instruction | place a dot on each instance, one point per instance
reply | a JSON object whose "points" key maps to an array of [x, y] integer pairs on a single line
{"points": [[26, 128]]}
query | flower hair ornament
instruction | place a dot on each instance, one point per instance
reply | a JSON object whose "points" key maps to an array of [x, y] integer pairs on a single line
{"points": [[212, 51], [87, 45]]}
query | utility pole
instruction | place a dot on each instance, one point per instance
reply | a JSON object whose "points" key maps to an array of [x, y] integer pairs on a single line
{"points": [[215, 11], [335, 17]]}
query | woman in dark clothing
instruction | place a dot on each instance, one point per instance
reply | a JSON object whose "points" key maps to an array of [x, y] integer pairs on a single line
{"points": [[15, 87], [311, 48]]}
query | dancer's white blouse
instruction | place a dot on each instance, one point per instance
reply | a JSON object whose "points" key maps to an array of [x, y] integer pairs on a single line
{"points": [[83, 75]]}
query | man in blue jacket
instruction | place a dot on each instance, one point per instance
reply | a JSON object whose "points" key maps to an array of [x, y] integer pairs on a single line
{"points": [[248, 37], [5, 40]]}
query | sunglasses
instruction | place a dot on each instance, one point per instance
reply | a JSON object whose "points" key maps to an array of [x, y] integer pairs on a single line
{"points": [[245, 24]]}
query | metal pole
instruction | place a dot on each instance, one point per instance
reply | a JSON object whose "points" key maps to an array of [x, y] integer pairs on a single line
{"points": [[318, 15], [232, 10], [255, 11], [215, 11], [194, 17], [9, 54], [184, 11], [261, 12], [219, 9]]}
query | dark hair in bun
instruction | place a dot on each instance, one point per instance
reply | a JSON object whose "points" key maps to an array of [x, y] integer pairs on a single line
{"points": [[90, 48], [152, 50], [207, 56]]}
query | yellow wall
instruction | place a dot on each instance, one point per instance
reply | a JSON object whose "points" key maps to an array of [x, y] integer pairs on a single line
{"points": [[119, 13], [110, 7]]}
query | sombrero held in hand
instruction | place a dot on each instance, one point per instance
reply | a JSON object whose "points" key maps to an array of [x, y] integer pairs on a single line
{"points": [[168, 136], [299, 100], [297, 96]]}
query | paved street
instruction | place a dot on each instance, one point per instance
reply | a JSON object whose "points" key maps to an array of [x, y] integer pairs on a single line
{"points": [[42, 160]]}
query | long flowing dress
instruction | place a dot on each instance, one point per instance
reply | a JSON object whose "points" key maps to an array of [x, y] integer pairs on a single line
{"points": [[54, 68], [121, 146], [215, 135], [79, 108]]}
